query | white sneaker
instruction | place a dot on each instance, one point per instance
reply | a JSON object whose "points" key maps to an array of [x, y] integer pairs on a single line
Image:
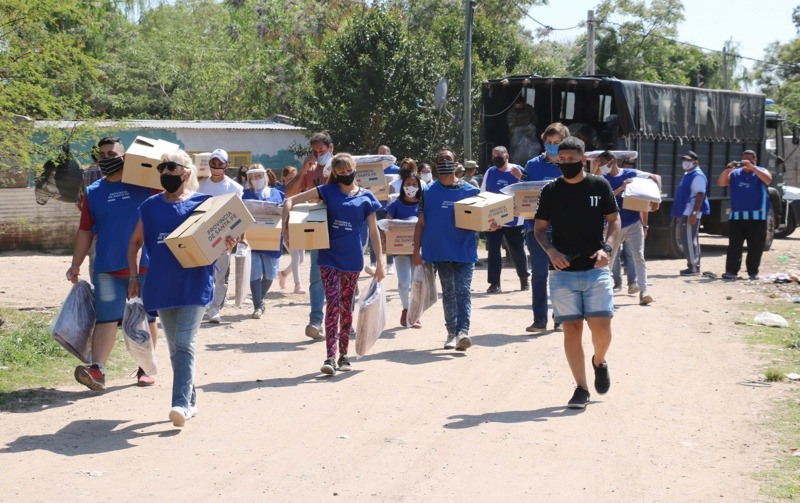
{"points": [[463, 341], [370, 269], [213, 316], [178, 416], [257, 314], [451, 341], [633, 289], [390, 269], [193, 410]]}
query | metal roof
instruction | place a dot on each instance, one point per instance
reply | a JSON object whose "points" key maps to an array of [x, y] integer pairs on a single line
{"points": [[264, 125]]}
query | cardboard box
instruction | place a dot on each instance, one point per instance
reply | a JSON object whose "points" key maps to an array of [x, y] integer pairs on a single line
{"points": [[202, 169], [308, 227], [371, 177], [635, 204], [400, 241], [478, 212], [141, 160], [526, 202], [641, 194], [200, 240], [265, 234]]}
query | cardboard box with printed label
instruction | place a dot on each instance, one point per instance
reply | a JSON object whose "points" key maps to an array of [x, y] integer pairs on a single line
{"points": [[526, 202], [141, 160], [202, 169], [478, 212], [265, 234], [200, 239], [371, 178], [308, 227], [400, 241]]}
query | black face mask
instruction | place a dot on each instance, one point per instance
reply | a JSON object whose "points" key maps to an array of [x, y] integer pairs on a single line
{"points": [[499, 161], [570, 169], [171, 183], [346, 179], [405, 173], [110, 165]]}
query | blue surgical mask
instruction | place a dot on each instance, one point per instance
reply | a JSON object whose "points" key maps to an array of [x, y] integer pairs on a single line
{"points": [[552, 149]]}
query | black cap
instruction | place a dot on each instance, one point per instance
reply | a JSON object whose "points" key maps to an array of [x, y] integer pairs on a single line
{"points": [[690, 156]]}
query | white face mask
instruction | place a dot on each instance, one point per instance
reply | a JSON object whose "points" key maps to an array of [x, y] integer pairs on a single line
{"points": [[605, 169], [687, 165], [426, 177], [324, 158], [258, 184], [410, 190]]}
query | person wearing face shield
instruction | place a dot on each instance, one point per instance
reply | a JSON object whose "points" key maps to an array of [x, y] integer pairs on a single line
{"points": [[108, 218], [633, 223], [264, 263], [216, 185], [314, 173], [689, 205], [578, 206], [542, 167]]}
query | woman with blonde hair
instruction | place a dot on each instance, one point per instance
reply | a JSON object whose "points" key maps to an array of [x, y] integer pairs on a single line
{"points": [[179, 295]]}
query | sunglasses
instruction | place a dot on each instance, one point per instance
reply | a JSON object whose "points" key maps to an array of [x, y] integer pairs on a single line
{"points": [[170, 166]]}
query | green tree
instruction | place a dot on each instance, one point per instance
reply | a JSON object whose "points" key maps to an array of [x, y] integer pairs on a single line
{"points": [[778, 75]]}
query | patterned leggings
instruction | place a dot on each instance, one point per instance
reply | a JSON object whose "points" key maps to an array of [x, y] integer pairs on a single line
{"points": [[340, 286]]}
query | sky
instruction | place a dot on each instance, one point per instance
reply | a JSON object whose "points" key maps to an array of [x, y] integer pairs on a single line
{"points": [[707, 23]]}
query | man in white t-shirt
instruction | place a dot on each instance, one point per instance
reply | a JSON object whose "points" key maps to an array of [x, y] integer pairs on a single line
{"points": [[216, 185]]}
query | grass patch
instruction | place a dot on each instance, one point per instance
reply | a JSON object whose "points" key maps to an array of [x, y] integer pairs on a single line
{"points": [[31, 361], [782, 482]]}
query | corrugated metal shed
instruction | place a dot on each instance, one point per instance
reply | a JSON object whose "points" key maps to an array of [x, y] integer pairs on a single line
{"points": [[24, 224], [262, 125]]}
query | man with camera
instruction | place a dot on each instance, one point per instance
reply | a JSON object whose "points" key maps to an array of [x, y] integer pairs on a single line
{"points": [[747, 220]]}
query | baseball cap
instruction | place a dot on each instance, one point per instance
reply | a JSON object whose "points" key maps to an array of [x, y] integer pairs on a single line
{"points": [[219, 154], [470, 165], [690, 156]]}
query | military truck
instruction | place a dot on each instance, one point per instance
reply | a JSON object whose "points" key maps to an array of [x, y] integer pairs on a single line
{"points": [[661, 123]]}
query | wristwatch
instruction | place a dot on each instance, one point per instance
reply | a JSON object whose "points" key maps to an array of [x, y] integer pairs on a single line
{"points": [[606, 247]]}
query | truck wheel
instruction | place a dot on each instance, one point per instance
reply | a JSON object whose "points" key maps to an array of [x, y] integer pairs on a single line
{"points": [[770, 229], [791, 225]]}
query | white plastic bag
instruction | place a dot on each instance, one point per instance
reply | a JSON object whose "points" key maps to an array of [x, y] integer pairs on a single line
{"points": [[371, 317], [391, 224], [243, 260], [423, 291], [138, 339], [74, 322], [771, 320]]}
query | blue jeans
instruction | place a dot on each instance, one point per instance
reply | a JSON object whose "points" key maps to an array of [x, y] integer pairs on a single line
{"points": [[180, 326], [494, 241], [540, 265], [456, 280], [315, 291], [403, 268], [577, 295]]}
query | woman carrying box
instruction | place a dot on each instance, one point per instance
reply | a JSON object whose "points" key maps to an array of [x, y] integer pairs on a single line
{"points": [[179, 295], [403, 208], [264, 264], [348, 207]]}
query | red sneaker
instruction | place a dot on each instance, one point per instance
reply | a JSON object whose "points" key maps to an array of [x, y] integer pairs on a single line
{"points": [[91, 377], [143, 379]]}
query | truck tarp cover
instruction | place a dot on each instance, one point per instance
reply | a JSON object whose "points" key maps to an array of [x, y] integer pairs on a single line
{"points": [[674, 112]]}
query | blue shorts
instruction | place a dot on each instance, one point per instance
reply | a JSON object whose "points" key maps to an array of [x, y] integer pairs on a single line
{"points": [[581, 294], [110, 296]]}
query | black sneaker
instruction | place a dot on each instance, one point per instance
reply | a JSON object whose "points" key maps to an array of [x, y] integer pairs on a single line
{"points": [[494, 289], [328, 367], [344, 364], [538, 326], [690, 272], [524, 285], [729, 276], [579, 399], [602, 381]]}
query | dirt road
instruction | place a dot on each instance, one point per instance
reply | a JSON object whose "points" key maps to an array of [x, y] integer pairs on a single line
{"points": [[414, 422]]}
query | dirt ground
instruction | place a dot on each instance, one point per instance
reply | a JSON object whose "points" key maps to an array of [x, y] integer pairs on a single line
{"points": [[414, 422]]}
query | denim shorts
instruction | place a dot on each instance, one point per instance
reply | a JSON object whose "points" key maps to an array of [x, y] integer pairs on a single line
{"points": [[110, 296], [581, 294]]}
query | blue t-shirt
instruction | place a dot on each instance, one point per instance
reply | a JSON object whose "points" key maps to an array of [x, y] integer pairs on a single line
{"points": [[626, 217], [114, 210], [346, 215], [402, 210], [442, 241], [537, 169], [168, 284], [392, 169], [281, 189], [273, 196], [749, 196]]}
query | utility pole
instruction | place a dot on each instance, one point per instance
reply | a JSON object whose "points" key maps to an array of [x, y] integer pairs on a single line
{"points": [[470, 9], [590, 43], [725, 68]]}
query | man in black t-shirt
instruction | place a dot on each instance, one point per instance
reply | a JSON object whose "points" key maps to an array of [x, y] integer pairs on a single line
{"points": [[578, 205]]}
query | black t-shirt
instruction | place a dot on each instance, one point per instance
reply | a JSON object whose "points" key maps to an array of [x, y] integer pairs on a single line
{"points": [[577, 213]]}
